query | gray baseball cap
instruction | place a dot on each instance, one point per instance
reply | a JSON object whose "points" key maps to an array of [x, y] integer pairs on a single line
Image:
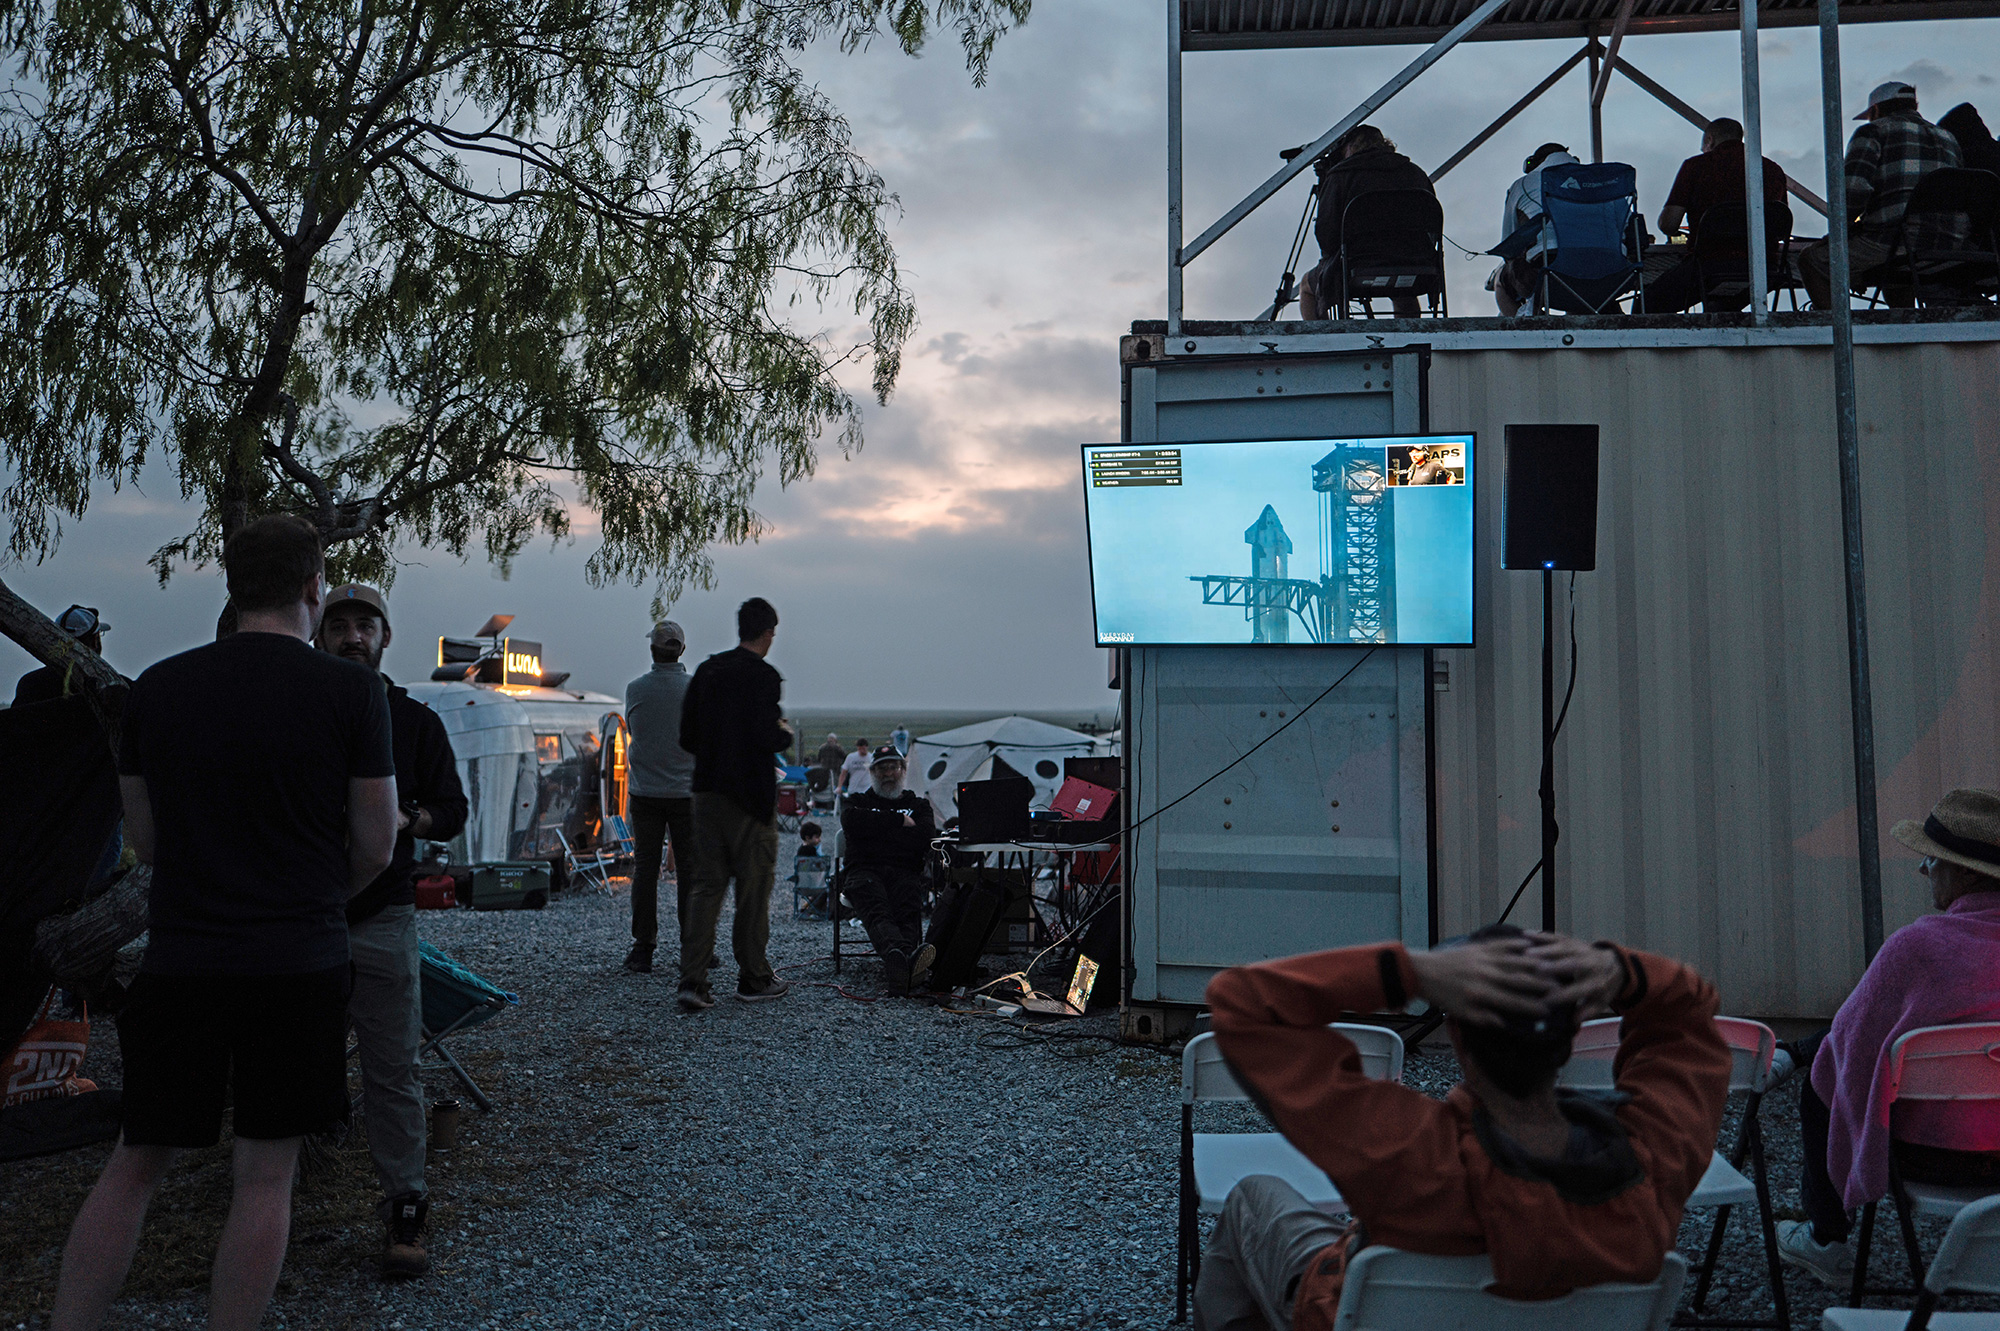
{"points": [[666, 633]]}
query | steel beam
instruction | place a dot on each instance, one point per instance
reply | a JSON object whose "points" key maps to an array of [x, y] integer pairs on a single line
{"points": [[1375, 101], [1603, 84], [1700, 121], [1860, 690], [1174, 259], [1534, 94], [1753, 166]]}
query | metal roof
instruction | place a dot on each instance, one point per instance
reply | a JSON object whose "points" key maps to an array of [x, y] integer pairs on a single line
{"points": [[1245, 25]]}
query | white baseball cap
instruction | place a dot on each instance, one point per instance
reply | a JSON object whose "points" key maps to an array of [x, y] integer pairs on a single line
{"points": [[1895, 90], [666, 633]]}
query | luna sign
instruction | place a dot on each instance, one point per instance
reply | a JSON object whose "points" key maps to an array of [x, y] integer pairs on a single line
{"points": [[521, 662]]}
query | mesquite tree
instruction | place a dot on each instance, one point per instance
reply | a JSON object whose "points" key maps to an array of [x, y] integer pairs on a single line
{"points": [[436, 271]]}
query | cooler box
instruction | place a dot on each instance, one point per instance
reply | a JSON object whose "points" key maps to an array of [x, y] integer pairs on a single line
{"points": [[438, 893], [522, 885]]}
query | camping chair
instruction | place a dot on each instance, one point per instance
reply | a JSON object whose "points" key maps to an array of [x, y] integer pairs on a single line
{"points": [[1387, 1289], [1751, 1048], [1968, 1262], [1391, 244], [819, 790], [1965, 268], [590, 866], [1214, 1162], [1933, 1063], [809, 875], [1594, 256], [790, 812], [618, 838], [1721, 252], [456, 1000]]}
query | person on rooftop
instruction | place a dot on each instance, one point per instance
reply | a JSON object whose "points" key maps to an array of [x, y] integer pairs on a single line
{"points": [[1885, 160], [49, 683], [889, 829], [1363, 162], [1513, 283], [1939, 970], [1975, 141], [1710, 179], [1559, 1189]]}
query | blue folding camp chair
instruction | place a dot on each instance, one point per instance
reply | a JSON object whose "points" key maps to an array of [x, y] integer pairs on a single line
{"points": [[617, 838], [456, 1000], [1593, 252]]}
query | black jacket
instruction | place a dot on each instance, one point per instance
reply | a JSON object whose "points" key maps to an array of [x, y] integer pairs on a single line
{"points": [[876, 836], [1351, 177], [427, 776], [1975, 141], [731, 724]]}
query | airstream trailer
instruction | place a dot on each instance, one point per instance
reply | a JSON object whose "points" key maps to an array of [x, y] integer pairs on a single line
{"points": [[535, 760]]}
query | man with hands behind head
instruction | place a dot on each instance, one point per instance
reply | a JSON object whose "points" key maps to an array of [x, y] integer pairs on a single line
{"points": [[1560, 1189], [387, 1004]]}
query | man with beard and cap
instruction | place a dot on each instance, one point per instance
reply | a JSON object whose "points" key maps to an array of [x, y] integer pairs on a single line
{"points": [[387, 1004], [889, 831]]}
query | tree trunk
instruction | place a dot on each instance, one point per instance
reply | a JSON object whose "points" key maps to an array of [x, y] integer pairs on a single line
{"points": [[80, 947]]}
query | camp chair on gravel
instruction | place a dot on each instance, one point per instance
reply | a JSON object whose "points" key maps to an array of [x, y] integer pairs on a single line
{"points": [[586, 866], [455, 1000], [1968, 1262], [1390, 1290], [1724, 1187], [1960, 1063], [1214, 1162]]}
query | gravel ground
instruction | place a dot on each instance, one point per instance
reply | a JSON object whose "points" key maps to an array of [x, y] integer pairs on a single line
{"points": [[818, 1162]]}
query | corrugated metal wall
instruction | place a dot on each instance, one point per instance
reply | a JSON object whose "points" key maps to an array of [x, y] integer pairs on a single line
{"points": [[1704, 777]]}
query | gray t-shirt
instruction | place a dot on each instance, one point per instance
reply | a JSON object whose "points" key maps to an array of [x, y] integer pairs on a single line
{"points": [[659, 767]]}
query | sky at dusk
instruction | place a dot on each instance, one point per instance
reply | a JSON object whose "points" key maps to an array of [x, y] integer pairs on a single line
{"points": [[943, 566]]}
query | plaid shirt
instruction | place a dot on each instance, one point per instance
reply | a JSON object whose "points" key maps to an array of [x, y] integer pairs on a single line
{"points": [[1885, 160]]}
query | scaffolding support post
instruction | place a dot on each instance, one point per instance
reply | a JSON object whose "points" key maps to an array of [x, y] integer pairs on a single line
{"points": [[1868, 835], [1174, 296], [1753, 168], [1596, 111]]}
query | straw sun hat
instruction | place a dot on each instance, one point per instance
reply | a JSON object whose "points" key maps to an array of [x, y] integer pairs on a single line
{"points": [[1964, 827]]}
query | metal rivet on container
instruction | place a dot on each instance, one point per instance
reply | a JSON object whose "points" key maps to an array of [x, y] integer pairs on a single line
{"points": [[1336, 827], [1225, 799], [1280, 713], [1369, 384], [1371, 716], [1188, 345], [1336, 804], [1260, 388], [1569, 340], [1225, 827], [1263, 714]]}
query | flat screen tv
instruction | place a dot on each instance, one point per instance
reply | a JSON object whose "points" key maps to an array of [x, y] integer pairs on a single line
{"points": [[1337, 541]]}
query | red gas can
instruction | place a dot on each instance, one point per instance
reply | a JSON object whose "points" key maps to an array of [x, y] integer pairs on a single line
{"points": [[436, 893]]}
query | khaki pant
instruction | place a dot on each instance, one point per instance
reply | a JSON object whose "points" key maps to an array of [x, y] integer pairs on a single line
{"points": [[729, 843], [1266, 1239], [1816, 264], [387, 1011]]}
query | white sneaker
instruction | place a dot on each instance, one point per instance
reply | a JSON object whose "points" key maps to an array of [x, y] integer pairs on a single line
{"points": [[1833, 1263]]}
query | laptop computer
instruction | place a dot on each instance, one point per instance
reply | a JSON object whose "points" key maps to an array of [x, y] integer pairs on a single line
{"points": [[1083, 802], [1073, 1003]]}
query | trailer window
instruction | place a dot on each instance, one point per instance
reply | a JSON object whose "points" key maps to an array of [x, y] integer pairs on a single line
{"points": [[548, 748]]}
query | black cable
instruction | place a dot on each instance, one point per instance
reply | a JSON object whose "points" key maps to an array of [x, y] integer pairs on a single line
{"points": [[1260, 743], [1561, 716]]}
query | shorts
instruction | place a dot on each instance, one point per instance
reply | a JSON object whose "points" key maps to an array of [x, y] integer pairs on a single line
{"points": [[276, 1044]]}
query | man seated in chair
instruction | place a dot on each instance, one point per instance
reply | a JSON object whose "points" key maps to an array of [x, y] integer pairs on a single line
{"points": [[1939, 970], [1514, 282], [1363, 162], [1560, 1188], [889, 830], [1711, 178]]}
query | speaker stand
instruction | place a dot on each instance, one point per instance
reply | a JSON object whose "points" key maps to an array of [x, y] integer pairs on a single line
{"points": [[1548, 791]]}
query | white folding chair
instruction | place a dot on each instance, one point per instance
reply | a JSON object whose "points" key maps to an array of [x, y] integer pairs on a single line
{"points": [[1390, 1290], [1724, 1186], [1968, 1262], [592, 867], [1214, 1162], [1933, 1063]]}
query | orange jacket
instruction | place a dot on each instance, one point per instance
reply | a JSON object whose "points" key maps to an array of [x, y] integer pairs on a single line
{"points": [[1418, 1173]]}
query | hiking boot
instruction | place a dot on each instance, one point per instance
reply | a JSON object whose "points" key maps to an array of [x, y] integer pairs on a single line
{"points": [[1833, 1263], [771, 988], [920, 964], [403, 1256], [693, 998], [896, 972], [640, 959]]}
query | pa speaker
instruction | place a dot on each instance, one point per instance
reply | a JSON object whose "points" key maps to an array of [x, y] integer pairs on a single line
{"points": [[1548, 499]]}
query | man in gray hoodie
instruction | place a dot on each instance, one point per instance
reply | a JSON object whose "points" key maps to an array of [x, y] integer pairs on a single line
{"points": [[662, 801]]}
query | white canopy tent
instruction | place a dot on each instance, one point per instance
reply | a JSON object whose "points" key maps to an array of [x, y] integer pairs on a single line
{"points": [[1033, 749]]}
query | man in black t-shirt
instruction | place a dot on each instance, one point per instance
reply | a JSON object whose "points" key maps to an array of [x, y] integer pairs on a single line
{"points": [[889, 831], [731, 723], [258, 782], [386, 1006]]}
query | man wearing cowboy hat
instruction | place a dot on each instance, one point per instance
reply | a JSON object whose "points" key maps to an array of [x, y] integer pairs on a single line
{"points": [[1939, 970], [889, 831]]}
